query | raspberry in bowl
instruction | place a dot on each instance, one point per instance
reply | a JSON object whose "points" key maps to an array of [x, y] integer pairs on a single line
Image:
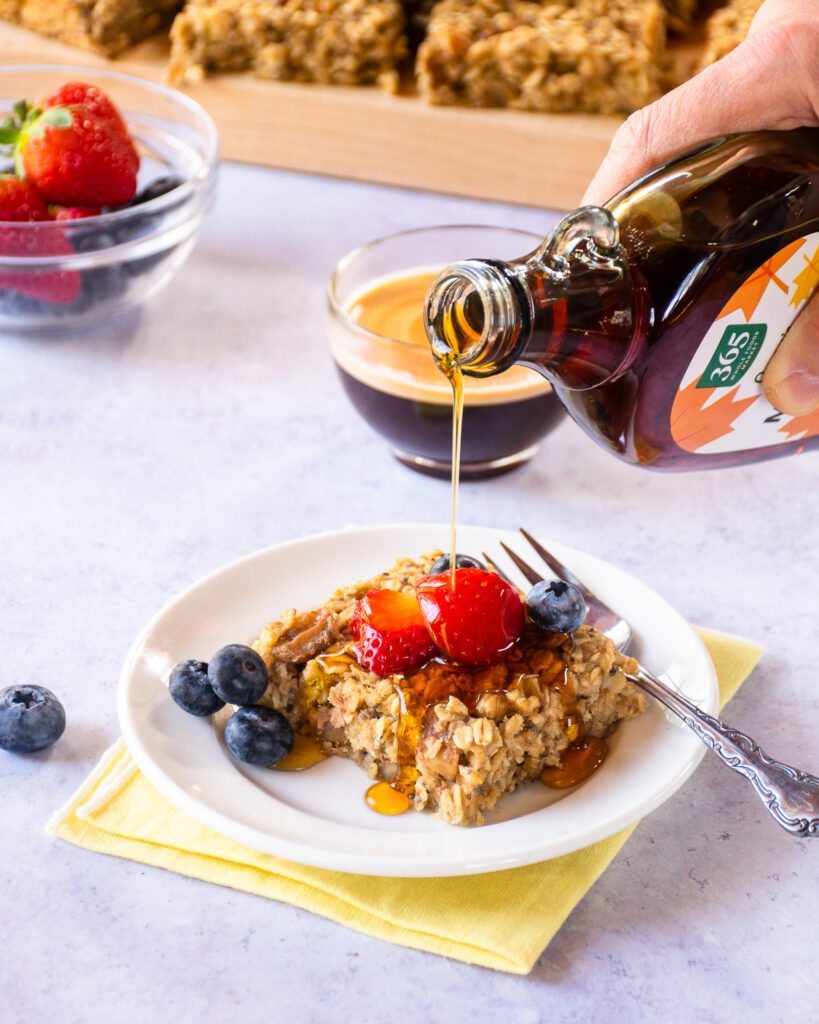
{"points": [[104, 181]]}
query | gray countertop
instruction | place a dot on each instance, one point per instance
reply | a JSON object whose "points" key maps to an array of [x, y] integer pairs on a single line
{"points": [[138, 458]]}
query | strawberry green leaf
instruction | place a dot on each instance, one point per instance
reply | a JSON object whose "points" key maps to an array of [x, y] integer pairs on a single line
{"points": [[21, 109], [57, 117], [9, 131]]}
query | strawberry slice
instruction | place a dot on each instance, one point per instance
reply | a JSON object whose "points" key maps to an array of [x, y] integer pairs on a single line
{"points": [[389, 633], [478, 622]]}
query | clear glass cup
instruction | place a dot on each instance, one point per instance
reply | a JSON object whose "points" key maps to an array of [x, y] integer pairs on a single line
{"points": [[64, 274], [394, 384]]}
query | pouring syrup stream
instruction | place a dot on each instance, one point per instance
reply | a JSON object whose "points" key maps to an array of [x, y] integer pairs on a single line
{"points": [[460, 331], [456, 378]]}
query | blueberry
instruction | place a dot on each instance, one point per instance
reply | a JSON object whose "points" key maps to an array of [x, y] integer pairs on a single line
{"points": [[137, 225], [106, 282], [156, 188], [90, 239], [259, 736], [191, 689], [141, 266], [31, 718], [556, 606], [461, 562], [238, 674], [14, 303]]}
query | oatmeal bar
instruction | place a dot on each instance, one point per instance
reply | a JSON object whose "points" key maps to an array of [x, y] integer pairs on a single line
{"points": [[107, 26], [460, 738], [586, 55], [340, 42], [727, 27]]}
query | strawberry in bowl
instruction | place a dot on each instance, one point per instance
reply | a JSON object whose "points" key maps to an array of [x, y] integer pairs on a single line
{"points": [[21, 204], [99, 203], [72, 154]]}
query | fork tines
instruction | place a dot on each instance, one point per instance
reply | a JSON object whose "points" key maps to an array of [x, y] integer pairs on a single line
{"points": [[558, 568], [493, 567], [531, 575]]}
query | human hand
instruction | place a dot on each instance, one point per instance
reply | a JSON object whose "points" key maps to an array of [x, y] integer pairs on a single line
{"points": [[770, 81]]}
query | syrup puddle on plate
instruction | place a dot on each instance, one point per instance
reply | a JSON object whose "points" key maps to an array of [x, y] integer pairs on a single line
{"points": [[386, 799], [578, 762], [305, 754]]}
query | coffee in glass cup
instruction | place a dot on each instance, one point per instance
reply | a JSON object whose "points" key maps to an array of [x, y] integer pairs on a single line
{"points": [[383, 357]]}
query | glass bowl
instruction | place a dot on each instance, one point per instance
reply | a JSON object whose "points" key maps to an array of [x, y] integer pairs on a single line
{"points": [[392, 380], [62, 274]]}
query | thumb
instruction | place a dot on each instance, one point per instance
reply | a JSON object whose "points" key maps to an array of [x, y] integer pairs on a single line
{"points": [[791, 378]]}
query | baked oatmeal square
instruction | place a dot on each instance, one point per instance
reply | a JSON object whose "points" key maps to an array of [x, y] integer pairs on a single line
{"points": [[338, 42], [107, 26], [727, 27], [454, 739], [587, 55]]}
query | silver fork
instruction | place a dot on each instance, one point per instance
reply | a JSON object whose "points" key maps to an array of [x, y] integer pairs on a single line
{"points": [[790, 795]]}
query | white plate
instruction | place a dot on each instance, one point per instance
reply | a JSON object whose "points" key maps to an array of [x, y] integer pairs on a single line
{"points": [[319, 817]]}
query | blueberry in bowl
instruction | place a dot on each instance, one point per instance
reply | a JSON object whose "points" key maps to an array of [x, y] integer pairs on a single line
{"points": [[89, 259]]}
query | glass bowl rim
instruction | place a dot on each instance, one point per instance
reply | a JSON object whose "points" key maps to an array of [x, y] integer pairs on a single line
{"points": [[349, 322], [193, 184]]}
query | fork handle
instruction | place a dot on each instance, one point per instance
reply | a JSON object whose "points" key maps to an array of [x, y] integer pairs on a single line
{"points": [[790, 795]]}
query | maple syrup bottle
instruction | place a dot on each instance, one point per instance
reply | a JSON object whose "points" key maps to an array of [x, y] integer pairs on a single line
{"points": [[655, 315]]}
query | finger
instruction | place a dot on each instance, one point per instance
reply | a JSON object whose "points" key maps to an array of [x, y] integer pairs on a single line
{"points": [[782, 10], [791, 378], [769, 81]]}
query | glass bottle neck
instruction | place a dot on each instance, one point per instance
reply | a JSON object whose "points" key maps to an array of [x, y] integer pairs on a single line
{"points": [[569, 309]]}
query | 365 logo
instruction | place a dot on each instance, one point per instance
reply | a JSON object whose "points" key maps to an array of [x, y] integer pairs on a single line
{"points": [[734, 355]]}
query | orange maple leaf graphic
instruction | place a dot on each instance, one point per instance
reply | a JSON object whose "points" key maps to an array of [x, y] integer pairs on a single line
{"points": [[694, 425], [747, 297], [806, 280], [809, 425]]}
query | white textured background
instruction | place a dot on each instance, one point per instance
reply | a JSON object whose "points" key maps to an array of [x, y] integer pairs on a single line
{"points": [[135, 460]]}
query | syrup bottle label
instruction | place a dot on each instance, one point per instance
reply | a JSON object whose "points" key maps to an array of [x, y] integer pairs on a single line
{"points": [[719, 406]]}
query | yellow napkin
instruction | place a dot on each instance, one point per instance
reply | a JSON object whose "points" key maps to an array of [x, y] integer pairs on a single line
{"points": [[502, 920]]}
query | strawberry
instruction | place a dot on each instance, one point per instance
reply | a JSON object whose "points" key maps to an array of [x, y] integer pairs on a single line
{"points": [[89, 96], [77, 159], [478, 622], [72, 155], [20, 201], [47, 285], [390, 633], [74, 212]]}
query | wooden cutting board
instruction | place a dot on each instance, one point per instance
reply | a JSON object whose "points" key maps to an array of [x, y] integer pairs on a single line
{"points": [[536, 159]]}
